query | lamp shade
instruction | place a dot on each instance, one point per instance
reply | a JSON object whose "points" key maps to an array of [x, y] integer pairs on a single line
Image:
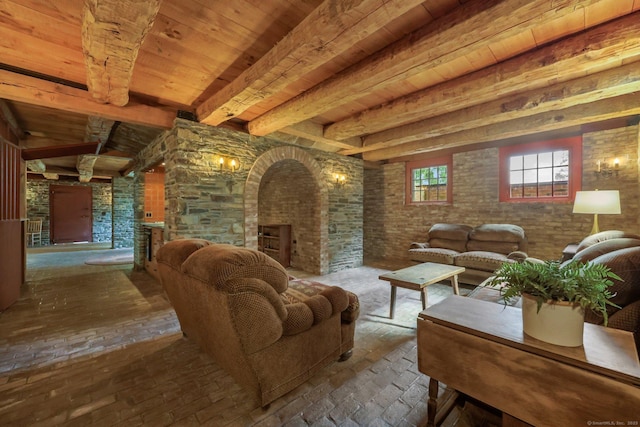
{"points": [[597, 202]]}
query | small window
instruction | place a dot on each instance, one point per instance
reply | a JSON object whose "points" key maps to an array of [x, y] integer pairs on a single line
{"points": [[541, 171], [429, 181]]}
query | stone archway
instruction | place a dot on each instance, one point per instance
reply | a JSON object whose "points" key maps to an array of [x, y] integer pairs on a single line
{"points": [[252, 186]]}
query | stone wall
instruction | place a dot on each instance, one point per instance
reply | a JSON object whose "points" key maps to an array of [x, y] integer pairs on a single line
{"points": [[390, 225], [38, 206], [207, 201], [123, 212]]}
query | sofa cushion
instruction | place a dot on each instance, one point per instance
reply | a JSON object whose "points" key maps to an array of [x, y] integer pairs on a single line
{"points": [[449, 231], [456, 245], [602, 236], [439, 255], [605, 246], [498, 233], [300, 290], [481, 260], [492, 246]]}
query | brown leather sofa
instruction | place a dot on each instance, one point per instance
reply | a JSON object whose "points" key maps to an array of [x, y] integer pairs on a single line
{"points": [[480, 250], [239, 306]]}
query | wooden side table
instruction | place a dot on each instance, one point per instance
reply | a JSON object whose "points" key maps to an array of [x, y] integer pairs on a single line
{"points": [[569, 251], [478, 348]]}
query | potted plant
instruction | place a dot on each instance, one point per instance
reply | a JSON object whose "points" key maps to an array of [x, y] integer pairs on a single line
{"points": [[555, 296]]}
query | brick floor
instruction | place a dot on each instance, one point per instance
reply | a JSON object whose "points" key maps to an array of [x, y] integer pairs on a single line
{"points": [[100, 345]]}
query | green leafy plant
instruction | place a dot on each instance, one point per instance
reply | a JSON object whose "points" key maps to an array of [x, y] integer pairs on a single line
{"points": [[586, 284]]}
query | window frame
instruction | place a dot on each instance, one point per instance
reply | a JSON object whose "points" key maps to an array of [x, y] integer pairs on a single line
{"points": [[572, 144], [417, 164]]}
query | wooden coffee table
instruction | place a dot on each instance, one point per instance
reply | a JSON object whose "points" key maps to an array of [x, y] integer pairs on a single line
{"points": [[418, 277]]}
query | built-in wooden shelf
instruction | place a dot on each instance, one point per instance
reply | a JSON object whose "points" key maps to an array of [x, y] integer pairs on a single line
{"points": [[275, 241]]}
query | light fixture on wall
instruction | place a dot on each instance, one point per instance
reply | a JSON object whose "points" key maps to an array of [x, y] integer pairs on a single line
{"points": [[232, 164], [597, 202], [607, 168], [340, 180]]}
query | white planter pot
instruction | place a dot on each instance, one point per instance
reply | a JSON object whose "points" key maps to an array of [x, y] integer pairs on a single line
{"points": [[559, 323]]}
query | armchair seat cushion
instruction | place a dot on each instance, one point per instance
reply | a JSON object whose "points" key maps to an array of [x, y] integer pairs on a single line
{"points": [[439, 255], [482, 260]]}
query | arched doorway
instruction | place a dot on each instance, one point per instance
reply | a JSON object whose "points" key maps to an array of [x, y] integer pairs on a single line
{"points": [[292, 175]]}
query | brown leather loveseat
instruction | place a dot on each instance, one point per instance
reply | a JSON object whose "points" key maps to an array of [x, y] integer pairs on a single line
{"points": [[480, 250], [234, 303]]}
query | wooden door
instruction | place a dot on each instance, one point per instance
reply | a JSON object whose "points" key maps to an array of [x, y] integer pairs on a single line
{"points": [[71, 214]]}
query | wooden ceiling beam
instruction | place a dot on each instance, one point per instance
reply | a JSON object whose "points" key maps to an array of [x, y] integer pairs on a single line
{"points": [[325, 33], [112, 33], [482, 23], [606, 109], [8, 115], [606, 84], [315, 132], [31, 90], [59, 151], [594, 50]]}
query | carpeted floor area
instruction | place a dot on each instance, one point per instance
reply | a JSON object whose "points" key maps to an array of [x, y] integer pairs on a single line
{"points": [[100, 345]]}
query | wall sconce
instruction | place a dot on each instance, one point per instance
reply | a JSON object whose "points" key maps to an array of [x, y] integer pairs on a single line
{"points": [[608, 169], [233, 164], [340, 180]]}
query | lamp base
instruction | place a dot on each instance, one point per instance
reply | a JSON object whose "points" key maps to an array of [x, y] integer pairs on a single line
{"points": [[595, 229]]}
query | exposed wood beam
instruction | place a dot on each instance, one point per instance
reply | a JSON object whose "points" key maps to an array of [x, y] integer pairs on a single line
{"points": [[84, 164], [18, 87], [51, 176], [315, 132], [607, 84], [112, 33], [60, 171], [621, 106], [432, 45], [6, 112], [595, 50], [329, 30], [59, 151]]}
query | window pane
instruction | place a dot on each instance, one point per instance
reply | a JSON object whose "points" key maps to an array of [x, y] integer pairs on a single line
{"points": [[544, 175], [561, 173], [429, 184], [530, 161], [530, 175], [515, 163], [561, 158], [545, 160], [515, 177]]}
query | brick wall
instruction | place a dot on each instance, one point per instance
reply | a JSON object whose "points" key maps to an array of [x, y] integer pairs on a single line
{"points": [[390, 225]]}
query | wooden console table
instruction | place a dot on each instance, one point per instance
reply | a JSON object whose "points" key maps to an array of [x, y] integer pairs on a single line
{"points": [[478, 348]]}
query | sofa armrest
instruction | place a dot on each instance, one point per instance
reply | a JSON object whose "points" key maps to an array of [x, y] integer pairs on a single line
{"points": [[518, 256], [299, 319], [419, 245]]}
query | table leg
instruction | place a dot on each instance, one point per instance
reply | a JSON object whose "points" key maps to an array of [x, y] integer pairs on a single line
{"points": [[454, 283], [392, 306], [423, 297], [432, 404]]}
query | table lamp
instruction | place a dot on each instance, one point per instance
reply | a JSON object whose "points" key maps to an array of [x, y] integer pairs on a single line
{"points": [[597, 202]]}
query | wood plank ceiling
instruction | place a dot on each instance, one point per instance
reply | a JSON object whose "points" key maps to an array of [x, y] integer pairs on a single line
{"points": [[86, 85]]}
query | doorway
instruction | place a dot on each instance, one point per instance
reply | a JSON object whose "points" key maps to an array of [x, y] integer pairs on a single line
{"points": [[71, 210]]}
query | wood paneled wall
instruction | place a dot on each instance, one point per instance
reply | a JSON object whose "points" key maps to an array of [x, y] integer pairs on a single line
{"points": [[12, 245]]}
